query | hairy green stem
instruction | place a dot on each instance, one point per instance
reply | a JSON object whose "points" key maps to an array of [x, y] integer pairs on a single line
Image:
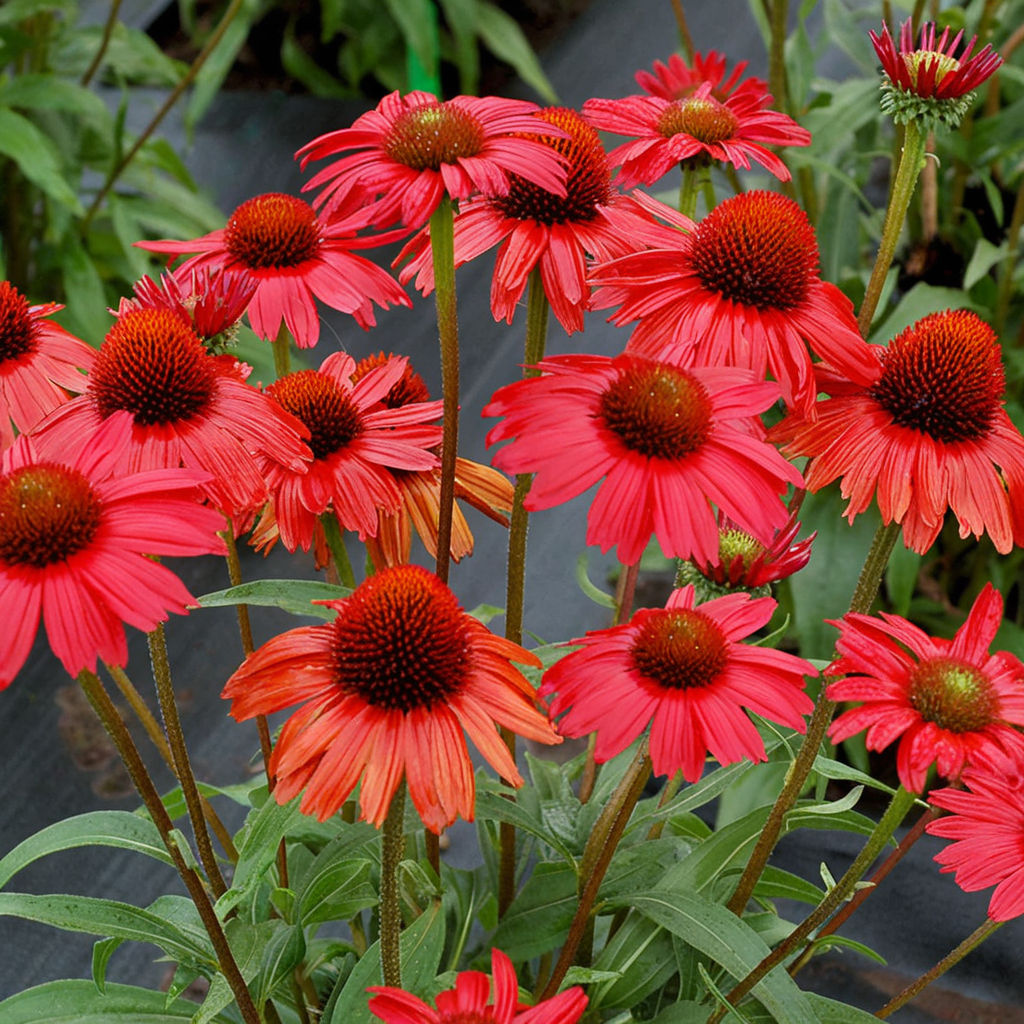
{"points": [[685, 39], [779, 14], [392, 843], [108, 28]]}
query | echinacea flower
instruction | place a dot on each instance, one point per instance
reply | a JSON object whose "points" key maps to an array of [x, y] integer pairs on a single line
{"points": [[478, 999], [294, 257], [667, 441], [666, 133], [948, 702], [387, 689], [926, 432], [75, 536], [411, 151], [356, 442], [928, 83], [188, 408], [682, 670], [39, 363], [741, 289], [986, 824], [678, 80]]}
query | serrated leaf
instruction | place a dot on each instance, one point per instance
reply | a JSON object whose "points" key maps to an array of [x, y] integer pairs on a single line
{"points": [[295, 596]]}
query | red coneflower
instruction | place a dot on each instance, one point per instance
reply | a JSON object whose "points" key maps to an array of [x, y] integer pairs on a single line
{"points": [[947, 701], [682, 670], [477, 999], [188, 408], [677, 80], [536, 228], [667, 440], [75, 536], [387, 689], [38, 361], [927, 432], [411, 151], [294, 257], [741, 289]]}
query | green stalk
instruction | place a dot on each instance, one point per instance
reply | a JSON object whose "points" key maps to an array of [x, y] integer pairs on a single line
{"points": [[336, 546], [392, 843], [696, 176], [779, 13], [108, 28], [685, 39], [282, 351], [903, 186]]}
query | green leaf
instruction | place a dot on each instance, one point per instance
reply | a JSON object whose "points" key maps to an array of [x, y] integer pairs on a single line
{"points": [[83, 292], [293, 596], [921, 300], [640, 955], [504, 38], [539, 917], [460, 15], [281, 955], [36, 156], [298, 63], [102, 951], [336, 891], [832, 769], [417, 21], [596, 594], [983, 259], [726, 850], [97, 828], [496, 808], [48, 92], [775, 883], [901, 577]]}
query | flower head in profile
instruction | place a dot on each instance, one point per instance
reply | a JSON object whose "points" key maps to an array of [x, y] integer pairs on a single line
{"points": [[293, 257], [986, 824], [665, 133], [927, 83], [388, 690], [742, 288], [537, 229], [926, 432], [478, 999], [682, 670], [948, 702], [39, 363], [666, 442], [76, 534], [406, 155], [678, 80]]}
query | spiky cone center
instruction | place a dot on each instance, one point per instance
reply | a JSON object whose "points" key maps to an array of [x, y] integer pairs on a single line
{"points": [[401, 641], [588, 177], [433, 134], [48, 513], [273, 231], [943, 377], [657, 410], [153, 365], [757, 249], [736, 544], [701, 117], [952, 695], [327, 409], [408, 389], [17, 328], [679, 649]]}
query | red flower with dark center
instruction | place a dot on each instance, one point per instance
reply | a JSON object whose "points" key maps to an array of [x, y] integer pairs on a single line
{"points": [[356, 441], [949, 702], [536, 228], [39, 363], [188, 408], [741, 288], [677, 80], [475, 1000], [75, 533], [668, 132], [668, 442], [292, 257], [926, 432], [683, 671], [388, 688], [411, 151]]}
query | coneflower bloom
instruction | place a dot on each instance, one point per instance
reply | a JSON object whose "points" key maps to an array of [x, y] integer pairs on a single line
{"points": [[986, 824], [926, 432], [39, 363], [683, 671], [741, 289], [477, 999], [538, 229], [387, 689], [75, 533], [666, 133], [678, 80], [666, 441], [411, 151], [356, 443], [294, 257], [948, 702], [188, 408]]}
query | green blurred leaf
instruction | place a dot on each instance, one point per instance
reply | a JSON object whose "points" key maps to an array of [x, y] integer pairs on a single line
{"points": [[921, 300], [36, 157], [84, 293], [417, 21], [504, 38]]}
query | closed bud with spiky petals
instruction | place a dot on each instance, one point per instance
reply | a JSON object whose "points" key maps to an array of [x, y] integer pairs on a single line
{"points": [[387, 690], [677, 80]]}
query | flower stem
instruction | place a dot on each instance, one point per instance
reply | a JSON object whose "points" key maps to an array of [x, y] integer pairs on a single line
{"points": [[972, 941], [696, 176], [899, 201], [443, 249], [179, 753], [625, 592], [779, 11], [281, 346], [685, 39], [118, 732], [336, 546], [392, 842], [867, 587], [108, 29]]}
